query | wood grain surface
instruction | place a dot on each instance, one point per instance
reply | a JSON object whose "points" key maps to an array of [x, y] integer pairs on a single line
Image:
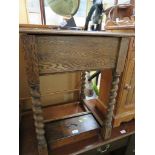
{"points": [[31, 56], [53, 32], [68, 53], [62, 110], [60, 133], [63, 128]]}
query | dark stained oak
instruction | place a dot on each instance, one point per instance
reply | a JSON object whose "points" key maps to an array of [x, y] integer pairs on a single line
{"points": [[62, 110], [28, 142], [60, 133]]}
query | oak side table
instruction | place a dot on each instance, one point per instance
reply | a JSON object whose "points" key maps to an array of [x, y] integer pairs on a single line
{"points": [[56, 51]]}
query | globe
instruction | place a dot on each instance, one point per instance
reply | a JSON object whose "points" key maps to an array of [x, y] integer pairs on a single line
{"points": [[65, 8]]}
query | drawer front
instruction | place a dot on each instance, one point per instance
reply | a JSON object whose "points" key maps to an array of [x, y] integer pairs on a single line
{"points": [[69, 53], [104, 149]]}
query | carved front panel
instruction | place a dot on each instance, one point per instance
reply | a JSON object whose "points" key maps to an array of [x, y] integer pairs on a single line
{"points": [[72, 53]]}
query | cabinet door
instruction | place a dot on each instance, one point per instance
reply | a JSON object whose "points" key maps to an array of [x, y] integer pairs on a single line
{"points": [[126, 97]]}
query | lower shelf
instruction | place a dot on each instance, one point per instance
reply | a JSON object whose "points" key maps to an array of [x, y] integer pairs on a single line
{"points": [[62, 111], [71, 130], [28, 142]]}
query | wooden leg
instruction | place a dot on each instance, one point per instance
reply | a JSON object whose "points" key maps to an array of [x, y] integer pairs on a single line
{"points": [[82, 93], [112, 101], [42, 150], [38, 120]]}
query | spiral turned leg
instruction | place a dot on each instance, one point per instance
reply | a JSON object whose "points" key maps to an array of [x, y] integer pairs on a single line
{"points": [[112, 101], [82, 93], [38, 120]]}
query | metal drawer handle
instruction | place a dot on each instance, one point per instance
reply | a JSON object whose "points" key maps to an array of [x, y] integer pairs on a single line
{"points": [[105, 150]]}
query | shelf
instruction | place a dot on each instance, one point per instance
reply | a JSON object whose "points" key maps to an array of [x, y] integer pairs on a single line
{"points": [[62, 111], [69, 123]]}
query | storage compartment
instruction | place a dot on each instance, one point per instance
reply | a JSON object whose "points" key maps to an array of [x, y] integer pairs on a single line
{"points": [[71, 130]]}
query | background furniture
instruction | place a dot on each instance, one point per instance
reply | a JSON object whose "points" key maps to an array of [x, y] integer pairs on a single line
{"points": [[50, 52], [125, 104]]}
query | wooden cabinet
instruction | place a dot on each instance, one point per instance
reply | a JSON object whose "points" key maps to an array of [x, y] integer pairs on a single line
{"points": [[125, 104], [126, 99]]}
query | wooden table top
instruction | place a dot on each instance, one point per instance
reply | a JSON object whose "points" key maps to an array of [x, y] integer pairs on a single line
{"points": [[73, 32]]}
